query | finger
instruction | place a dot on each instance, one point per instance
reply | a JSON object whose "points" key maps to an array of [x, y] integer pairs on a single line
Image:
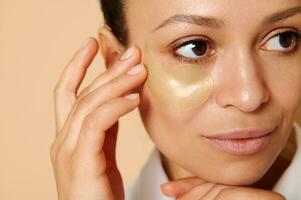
{"points": [[120, 66], [180, 186], [119, 69], [104, 93], [247, 193], [133, 56], [214, 192], [92, 133], [70, 80], [197, 192]]}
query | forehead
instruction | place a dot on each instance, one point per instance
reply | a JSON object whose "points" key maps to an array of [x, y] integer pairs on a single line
{"points": [[150, 13]]}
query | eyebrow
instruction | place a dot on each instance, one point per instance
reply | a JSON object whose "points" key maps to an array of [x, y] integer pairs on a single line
{"points": [[192, 19], [282, 15], [212, 22]]}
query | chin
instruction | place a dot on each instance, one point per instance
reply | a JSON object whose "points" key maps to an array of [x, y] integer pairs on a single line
{"points": [[233, 170], [240, 179], [235, 175]]}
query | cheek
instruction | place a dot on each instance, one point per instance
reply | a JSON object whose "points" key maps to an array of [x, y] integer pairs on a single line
{"points": [[170, 94], [180, 89], [284, 80], [167, 129]]}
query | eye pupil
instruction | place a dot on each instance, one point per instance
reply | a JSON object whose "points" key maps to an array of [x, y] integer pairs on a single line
{"points": [[286, 39], [199, 48]]}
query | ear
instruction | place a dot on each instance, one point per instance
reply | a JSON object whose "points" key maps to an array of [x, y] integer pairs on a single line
{"points": [[110, 48]]}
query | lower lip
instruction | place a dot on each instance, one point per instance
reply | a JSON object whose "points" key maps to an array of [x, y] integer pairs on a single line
{"points": [[241, 146]]}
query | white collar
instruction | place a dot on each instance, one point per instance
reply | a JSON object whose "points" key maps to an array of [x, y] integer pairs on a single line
{"points": [[147, 186], [152, 175]]}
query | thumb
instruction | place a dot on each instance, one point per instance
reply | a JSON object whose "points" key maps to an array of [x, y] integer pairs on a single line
{"points": [[180, 186]]}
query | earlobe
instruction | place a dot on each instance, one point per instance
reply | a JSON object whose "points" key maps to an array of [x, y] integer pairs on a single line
{"points": [[110, 48]]}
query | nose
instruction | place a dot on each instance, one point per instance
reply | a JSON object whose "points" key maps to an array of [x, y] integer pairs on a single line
{"points": [[241, 82]]}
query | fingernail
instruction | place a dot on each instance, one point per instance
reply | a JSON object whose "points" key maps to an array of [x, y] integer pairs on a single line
{"points": [[127, 54], [136, 69], [166, 190], [132, 96], [85, 43]]}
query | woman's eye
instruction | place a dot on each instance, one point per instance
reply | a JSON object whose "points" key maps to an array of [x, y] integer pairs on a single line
{"points": [[282, 42], [193, 49]]}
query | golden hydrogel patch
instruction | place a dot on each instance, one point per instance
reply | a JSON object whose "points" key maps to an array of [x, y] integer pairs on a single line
{"points": [[179, 87]]}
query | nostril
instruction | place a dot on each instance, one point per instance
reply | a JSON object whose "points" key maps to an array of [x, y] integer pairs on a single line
{"points": [[246, 100], [252, 102]]}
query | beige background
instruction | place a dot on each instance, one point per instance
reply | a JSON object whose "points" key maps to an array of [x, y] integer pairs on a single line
{"points": [[37, 39]]}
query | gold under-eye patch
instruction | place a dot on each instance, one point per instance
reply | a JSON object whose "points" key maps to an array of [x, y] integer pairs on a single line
{"points": [[180, 87]]}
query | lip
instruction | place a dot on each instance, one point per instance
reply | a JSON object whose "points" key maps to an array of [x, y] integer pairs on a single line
{"points": [[242, 141], [242, 133]]}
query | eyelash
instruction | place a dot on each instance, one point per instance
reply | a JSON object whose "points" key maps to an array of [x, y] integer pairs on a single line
{"points": [[297, 35], [181, 43], [210, 45]]}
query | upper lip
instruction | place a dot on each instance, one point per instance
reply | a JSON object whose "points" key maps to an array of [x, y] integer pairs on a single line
{"points": [[245, 133]]}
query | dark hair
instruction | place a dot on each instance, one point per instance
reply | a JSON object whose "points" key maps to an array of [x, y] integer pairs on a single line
{"points": [[114, 16]]}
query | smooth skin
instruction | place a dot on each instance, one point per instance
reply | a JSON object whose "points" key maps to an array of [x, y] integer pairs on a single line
{"points": [[83, 152]]}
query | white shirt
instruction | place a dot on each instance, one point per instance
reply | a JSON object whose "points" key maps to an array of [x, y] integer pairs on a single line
{"points": [[152, 175]]}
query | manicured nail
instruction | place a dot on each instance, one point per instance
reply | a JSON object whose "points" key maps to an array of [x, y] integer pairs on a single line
{"points": [[85, 43], [132, 96], [136, 69], [127, 54]]}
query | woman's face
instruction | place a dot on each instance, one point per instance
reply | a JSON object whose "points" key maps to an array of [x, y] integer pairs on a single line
{"points": [[249, 50]]}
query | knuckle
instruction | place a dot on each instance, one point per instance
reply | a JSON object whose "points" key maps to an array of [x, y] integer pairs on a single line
{"points": [[59, 154], [108, 87], [89, 122]]}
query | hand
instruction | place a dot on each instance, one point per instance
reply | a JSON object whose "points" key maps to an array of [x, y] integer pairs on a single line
{"points": [[193, 188], [83, 152]]}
